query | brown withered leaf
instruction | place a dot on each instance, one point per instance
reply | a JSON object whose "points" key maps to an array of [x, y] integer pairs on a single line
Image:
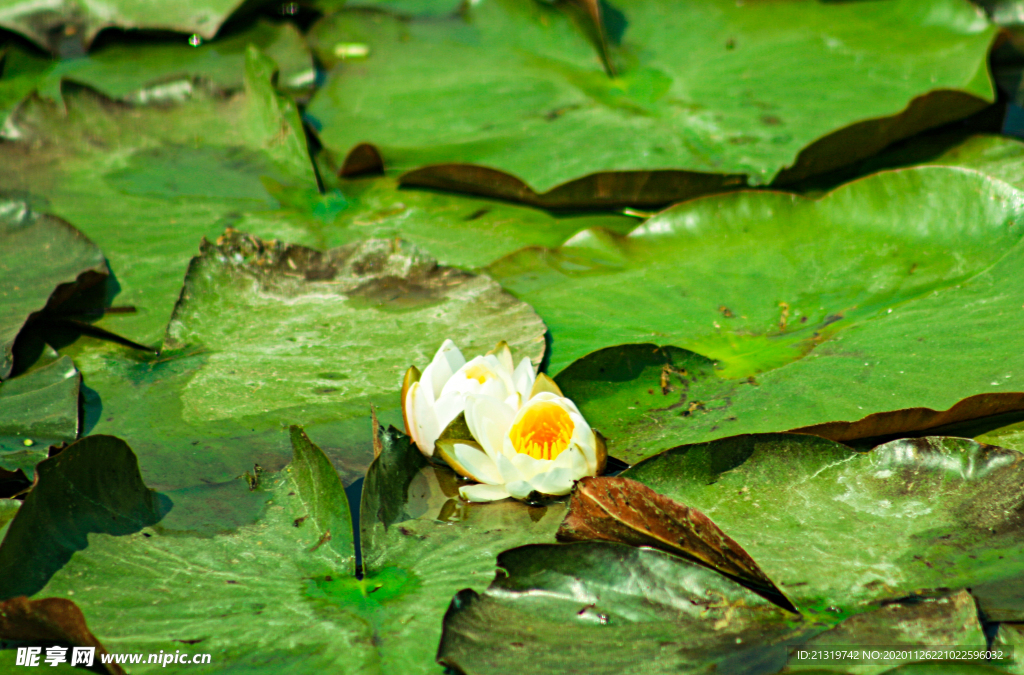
{"points": [[625, 511], [916, 421], [53, 620]]}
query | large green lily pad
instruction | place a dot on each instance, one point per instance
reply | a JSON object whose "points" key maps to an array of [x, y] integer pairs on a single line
{"points": [[44, 261], [176, 171], [838, 529], [267, 334], [869, 299], [92, 486], [47, 24], [607, 608], [701, 87], [277, 595]]}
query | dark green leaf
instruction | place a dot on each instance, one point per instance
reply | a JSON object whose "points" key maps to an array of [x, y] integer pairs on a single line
{"points": [[93, 486], [604, 608], [31, 281], [323, 495]]}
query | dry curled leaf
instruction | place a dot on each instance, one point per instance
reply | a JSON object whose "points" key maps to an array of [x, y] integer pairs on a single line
{"points": [[49, 620], [626, 511]]}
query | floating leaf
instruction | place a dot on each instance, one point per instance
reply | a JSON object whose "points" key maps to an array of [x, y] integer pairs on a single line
{"points": [[92, 486], [32, 283], [273, 594], [605, 607], [519, 89], [81, 20], [323, 495], [838, 528], [625, 511], [871, 294], [38, 408]]}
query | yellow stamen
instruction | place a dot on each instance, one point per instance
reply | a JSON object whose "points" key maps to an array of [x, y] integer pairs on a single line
{"points": [[543, 432], [478, 373]]}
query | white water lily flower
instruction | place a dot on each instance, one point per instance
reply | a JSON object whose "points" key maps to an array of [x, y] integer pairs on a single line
{"points": [[432, 400], [545, 446]]}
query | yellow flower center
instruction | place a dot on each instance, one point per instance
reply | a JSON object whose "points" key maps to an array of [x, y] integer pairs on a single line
{"points": [[543, 432], [478, 373]]}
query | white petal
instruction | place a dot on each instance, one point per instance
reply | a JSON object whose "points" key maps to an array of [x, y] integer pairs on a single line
{"points": [[584, 438], [519, 489], [504, 357], [489, 420], [494, 388], [478, 464], [448, 408], [425, 429], [508, 470], [574, 461], [483, 493], [526, 466], [555, 482], [445, 363], [523, 378]]}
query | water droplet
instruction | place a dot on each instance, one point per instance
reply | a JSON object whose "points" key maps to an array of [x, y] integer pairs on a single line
{"points": [[195, 40]]}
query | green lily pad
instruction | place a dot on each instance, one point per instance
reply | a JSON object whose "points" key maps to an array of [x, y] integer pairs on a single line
{"points": [[840, 529], [167, 72], [861, 294], [275, 595], [43, 262], [45, 25], [604, 607], [176, 172], [92, 486], [520, 89], [37, 409], [898, 628], [1011, 636], [268, 334], [462, 231]]}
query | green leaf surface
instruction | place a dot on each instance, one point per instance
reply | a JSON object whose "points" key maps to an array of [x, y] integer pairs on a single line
{"points": [[840, 529], [608, 608], [384, 493], [273, 596], [93, 486], [38, 408], [323, 495], [158, 72], [83, 19], [30, 282], [920, 622], [518, 87], [432, 8], [1012, 636], [875, 293]]}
